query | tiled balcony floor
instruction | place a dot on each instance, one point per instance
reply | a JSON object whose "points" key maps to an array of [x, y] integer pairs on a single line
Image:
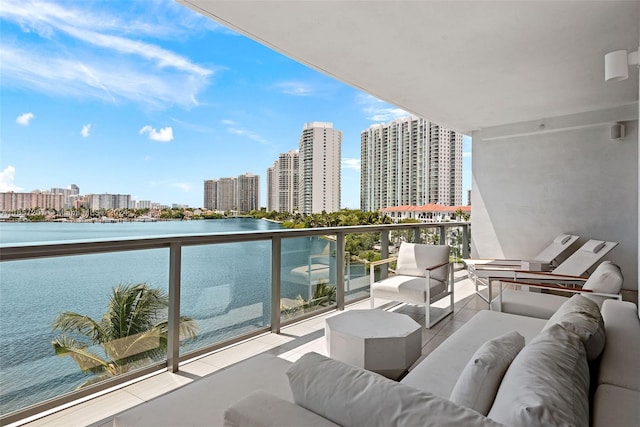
{"points": [[291, 344]]}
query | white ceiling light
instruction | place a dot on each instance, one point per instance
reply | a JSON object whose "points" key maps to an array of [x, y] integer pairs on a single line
{"points": [[616, 65]]}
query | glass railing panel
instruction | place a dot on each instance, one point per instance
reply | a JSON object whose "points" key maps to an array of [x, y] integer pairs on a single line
{"points": [[308, 275], [361, 248], [71, 321], [226, 290]]}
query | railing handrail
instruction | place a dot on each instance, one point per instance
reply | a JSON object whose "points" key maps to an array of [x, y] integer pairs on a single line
{"points": [[33, 250], [175, 243]]}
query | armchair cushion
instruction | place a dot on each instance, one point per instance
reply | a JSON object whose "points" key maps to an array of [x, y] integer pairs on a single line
{"points": [[481, 377], [408, 289], [414, 259]]}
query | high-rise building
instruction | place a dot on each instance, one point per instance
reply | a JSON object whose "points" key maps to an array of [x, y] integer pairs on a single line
{"points": [[282, 183], [233, 194], [248, 192], [108, 201], [319, 168], [410, 161], [70, 194]]}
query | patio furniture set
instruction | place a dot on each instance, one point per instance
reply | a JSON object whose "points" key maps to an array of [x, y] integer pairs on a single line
{"points": [[575, 362]]}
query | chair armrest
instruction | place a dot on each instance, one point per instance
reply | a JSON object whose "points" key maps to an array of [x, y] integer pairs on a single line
{"points": [[382, 261], [542, 275], [433, 267], [561, 288]]}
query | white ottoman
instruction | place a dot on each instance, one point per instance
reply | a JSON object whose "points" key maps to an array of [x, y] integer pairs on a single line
{"points": [[380, 341]]}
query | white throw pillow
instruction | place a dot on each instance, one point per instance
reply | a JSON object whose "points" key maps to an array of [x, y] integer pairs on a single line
{"points": [[350, 396], [480, 379], [607, 278], [582, 316], [547, 384]]}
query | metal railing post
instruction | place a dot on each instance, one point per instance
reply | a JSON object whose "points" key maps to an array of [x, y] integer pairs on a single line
{"points": [[384, 253], [466, 243], [442, 238], [416, 234], [276, 266], [340, 255], [173, 339]]}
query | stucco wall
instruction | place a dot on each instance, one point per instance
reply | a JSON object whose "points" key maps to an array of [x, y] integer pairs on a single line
{"points": [[567, 177]]}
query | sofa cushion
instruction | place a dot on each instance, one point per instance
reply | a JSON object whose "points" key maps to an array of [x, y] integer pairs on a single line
{"points": [[547, 384], [620, 362], [615, 406], [582, 316], [350, 396], [606, 278], [479, 381], [261, 409]]}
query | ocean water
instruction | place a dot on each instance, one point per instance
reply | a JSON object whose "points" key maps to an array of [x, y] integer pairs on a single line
{"points": [[225, 288]]}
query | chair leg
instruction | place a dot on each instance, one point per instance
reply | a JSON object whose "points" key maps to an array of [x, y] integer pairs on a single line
{"points": [[371, 298]]}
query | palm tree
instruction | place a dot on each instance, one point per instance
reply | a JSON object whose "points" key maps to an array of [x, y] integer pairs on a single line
{"points": [[132, 332]]}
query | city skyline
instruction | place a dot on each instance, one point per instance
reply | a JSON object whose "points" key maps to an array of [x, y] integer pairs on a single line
{"points": [[118, 100]]}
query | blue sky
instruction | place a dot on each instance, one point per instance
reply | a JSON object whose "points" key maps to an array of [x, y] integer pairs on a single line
{"points": [[149, 98]]}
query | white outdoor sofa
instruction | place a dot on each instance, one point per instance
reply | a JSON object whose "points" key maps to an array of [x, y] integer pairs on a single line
{"points": [[548, 378]]}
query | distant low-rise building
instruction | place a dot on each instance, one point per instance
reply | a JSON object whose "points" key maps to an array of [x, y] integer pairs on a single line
{"points": [[427, 213], [11, 201]]}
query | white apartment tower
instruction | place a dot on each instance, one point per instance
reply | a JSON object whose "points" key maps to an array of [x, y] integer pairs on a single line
{"points": [[233, 194], [410, 161], [248, 192], [319, 168], [282, 183]]}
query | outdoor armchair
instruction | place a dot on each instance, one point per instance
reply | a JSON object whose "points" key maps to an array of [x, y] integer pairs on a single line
{"points": [[604, 283], [423, 276]]}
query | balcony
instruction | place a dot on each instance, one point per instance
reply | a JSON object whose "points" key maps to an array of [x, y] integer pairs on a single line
{"points": [[225, 314]]}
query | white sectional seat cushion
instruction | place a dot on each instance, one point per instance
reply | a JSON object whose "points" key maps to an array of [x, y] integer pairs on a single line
{"points": [[582, 316], [261, 409], [547, 384], [616, 407], [606, 278], [350, 396], [479, 381], [620, 363]]}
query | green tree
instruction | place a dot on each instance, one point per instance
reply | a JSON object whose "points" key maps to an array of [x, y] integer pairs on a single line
{"points": [[132, 332]]}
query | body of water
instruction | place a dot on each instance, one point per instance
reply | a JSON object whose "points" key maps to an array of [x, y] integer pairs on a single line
{"points": [[226, 288]]}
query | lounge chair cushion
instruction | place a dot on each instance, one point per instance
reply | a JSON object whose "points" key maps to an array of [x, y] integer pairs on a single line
{"points": [[480, 379], [547, 384], [582, 316], [350, 396], [562, 239], [607, 279]]}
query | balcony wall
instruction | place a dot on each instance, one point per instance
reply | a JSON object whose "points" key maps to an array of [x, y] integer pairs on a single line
{"points": [[535, 180]]}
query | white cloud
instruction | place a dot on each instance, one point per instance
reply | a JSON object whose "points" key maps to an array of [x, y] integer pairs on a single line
{"points": [[379, 111], [248, 134], [106, 59], [184, 186], [228, 122], [163, 135], [296, 88], [24, 119], [85, 132], [351, 164], [7, 177]]}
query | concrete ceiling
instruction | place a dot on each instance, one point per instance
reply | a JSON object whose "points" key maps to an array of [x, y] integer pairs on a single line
{"points": [[467, 65]]}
